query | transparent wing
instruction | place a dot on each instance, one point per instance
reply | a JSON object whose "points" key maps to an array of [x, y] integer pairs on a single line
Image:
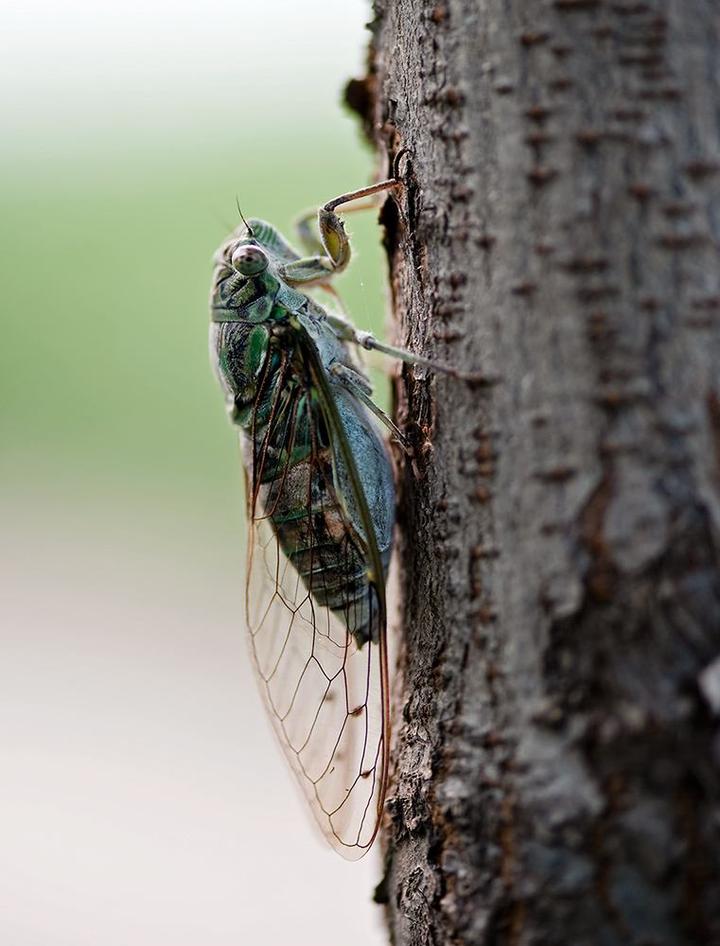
{"points": [[326, 692]]}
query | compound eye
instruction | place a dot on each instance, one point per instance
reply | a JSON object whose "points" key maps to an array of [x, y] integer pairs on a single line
{"points": [[249, 260]]}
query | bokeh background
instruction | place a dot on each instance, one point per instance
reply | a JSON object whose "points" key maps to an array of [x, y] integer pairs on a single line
{"points": [[142, 800]]}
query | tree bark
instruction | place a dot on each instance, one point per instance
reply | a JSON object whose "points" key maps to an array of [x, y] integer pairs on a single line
{"points": [[557, 751]]}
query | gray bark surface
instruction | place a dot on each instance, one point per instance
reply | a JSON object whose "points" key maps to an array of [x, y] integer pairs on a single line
{"points": [[557, 750]]}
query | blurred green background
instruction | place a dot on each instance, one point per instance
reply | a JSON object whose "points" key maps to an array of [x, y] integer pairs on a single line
{"points": [[141, 797], [105, 272]]}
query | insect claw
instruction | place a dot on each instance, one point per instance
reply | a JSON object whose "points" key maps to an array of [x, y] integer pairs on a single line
{"points": [[396, 164]]}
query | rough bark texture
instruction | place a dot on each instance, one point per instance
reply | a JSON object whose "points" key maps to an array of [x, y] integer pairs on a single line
{"points": [[557, 774]]}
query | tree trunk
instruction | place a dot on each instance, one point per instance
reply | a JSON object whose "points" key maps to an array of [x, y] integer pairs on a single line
{"points": [[557, 755]]}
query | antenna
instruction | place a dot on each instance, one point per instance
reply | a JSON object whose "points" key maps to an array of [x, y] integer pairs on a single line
{"points": [[249, 228]]}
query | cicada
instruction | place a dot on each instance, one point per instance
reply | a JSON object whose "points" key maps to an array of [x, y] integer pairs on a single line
{"points": [[321, 511]]}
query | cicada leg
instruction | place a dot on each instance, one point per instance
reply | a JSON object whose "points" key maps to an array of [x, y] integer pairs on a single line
{"points": [[357, 385], [331, 290], [307, 233], [332, 231], [332, 249], [309, 238], [348, 333]]}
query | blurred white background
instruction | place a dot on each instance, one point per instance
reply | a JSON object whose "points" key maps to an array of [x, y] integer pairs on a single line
{"points": [[160, 62], [142, 800]]}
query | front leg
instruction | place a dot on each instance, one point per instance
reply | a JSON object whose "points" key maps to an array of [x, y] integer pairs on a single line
{"points": [[334, 245]]}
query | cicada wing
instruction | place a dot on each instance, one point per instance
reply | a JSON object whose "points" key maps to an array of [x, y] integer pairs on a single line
{"points": [[326, 693]]}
